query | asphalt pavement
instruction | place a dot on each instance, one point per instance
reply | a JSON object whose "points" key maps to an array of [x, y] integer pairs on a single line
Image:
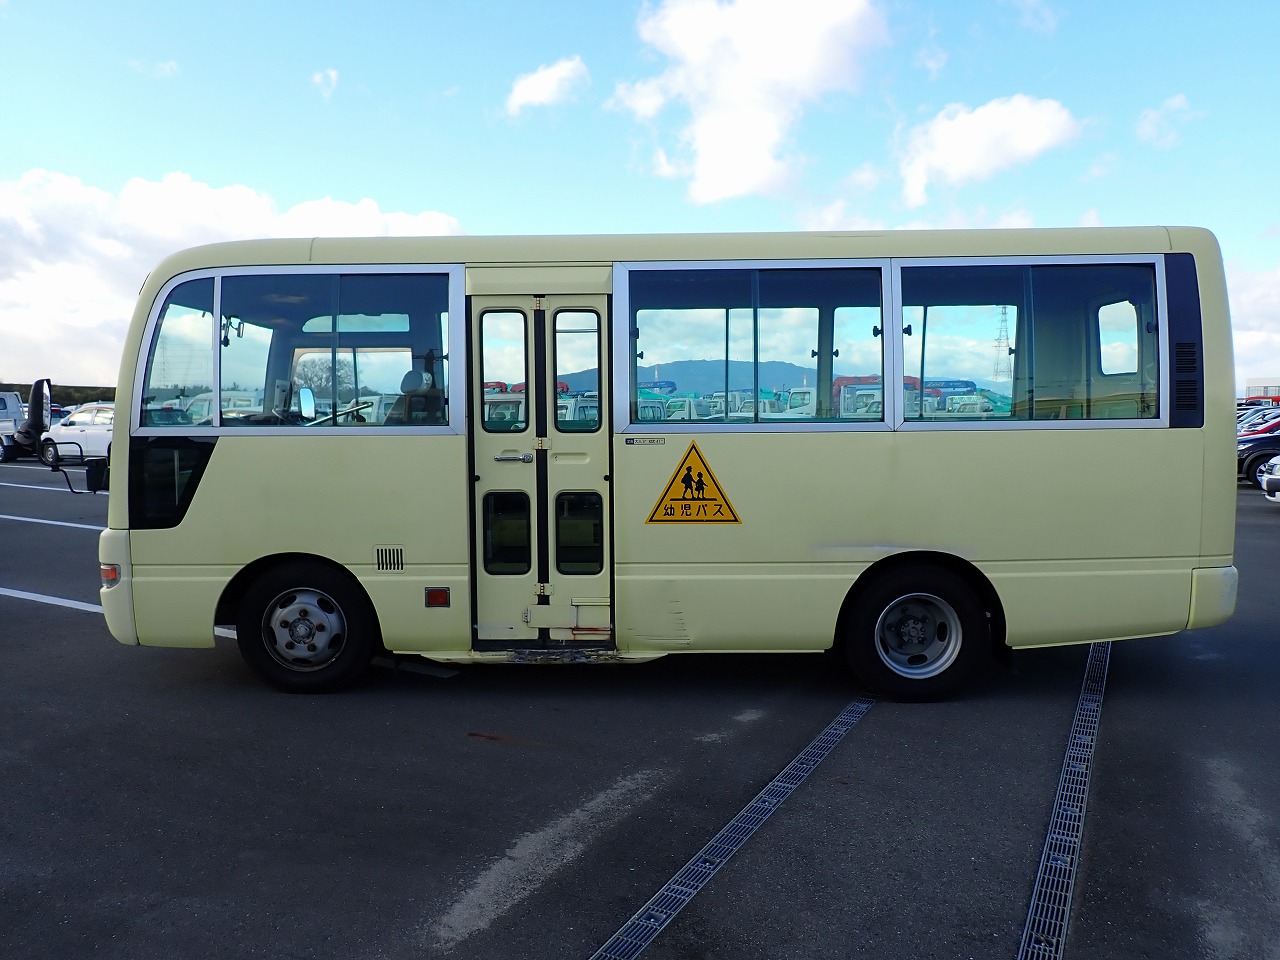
{"points": [[165, 803]]}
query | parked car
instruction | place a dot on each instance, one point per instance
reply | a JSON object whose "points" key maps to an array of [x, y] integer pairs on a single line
{"points": [[1269, 477], [1252, 454], [1254, 421], [85, 433], [1257, 427]]}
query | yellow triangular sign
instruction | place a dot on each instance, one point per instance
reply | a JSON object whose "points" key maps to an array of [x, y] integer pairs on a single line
{"points": [[693, 495]]}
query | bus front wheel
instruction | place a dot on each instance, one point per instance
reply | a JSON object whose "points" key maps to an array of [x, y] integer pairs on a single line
{"points": [[305, 628], [916, 634]]}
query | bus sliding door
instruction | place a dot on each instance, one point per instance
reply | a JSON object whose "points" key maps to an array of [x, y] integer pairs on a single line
{"points": [[540, 448]]}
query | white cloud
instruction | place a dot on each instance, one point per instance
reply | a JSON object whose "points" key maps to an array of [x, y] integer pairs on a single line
{"points": [[1018, 218], [1035, 15], [932, 58], [169, 68], [745, 70], [866, 178], [548, 85], [1159, 125], [73, 256], [961, 144], [837, 216], [1255, 303], [663, 167], [1090, 218], [326, 81]]}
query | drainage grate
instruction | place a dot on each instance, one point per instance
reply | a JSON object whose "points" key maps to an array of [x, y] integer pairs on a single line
{"points": [[1045, 933], [649, 921]]}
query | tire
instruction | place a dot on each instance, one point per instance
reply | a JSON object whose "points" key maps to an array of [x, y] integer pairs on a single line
{"points": [[7, 453], [306, 628], [917, 634], [47, 451], [1253, 465]]}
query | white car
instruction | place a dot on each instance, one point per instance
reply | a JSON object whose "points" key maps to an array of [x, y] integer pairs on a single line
{"points": [[1269, 480], [85, 433]]}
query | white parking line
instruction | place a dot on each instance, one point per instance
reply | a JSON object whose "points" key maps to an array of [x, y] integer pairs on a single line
{"points": [[52, 523], [32, 486], [55, 601], [534, 857]]}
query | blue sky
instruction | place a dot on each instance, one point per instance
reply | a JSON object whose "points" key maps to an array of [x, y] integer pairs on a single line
{"points": [[130, 130]]}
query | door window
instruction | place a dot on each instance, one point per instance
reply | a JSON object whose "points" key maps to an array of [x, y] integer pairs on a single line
{"points": [[579, 533], [577, 353], [503, 362], [507, 542]]}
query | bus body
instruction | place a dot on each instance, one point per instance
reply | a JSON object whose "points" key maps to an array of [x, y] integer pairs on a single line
{"points": [[915, 538]]}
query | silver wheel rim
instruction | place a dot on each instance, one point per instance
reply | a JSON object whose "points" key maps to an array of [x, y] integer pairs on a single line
{"points": [[918, 636], [304, 629]]}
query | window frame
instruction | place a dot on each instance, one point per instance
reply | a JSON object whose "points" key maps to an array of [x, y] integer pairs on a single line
{"points": [[892, 347], [554, 344], [457, 352], [1155, 260], [623, 387]]}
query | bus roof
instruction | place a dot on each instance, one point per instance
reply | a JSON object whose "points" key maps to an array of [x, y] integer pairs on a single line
{"points": [[604, 250]]}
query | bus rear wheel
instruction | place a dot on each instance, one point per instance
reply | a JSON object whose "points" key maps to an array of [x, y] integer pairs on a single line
{"points": [[305, 628], [916, 634]]}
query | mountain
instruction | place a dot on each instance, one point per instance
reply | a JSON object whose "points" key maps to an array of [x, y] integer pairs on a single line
{"points": [[708, 376]]}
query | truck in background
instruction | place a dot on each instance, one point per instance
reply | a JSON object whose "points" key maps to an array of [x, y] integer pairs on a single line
{"points": [[20, 430]]}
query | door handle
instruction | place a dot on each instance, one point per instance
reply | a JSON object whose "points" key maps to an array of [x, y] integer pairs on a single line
{"points": [[514, 458]]}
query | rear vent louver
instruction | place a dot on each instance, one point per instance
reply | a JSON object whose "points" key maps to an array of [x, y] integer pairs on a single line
{"points": [[389, 559], [1185, 358], [1186, 383], [1186, 395]]}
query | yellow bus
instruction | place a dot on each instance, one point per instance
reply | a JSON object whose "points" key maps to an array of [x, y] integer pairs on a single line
{"points": [[1084, 492]]}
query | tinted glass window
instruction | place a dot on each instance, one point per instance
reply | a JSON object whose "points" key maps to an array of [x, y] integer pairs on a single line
{"points": [[507, 548], [749, 346], [180, 364], [577, 360], [579, 533], [505, 371], [369, 348], [1019, 342]]}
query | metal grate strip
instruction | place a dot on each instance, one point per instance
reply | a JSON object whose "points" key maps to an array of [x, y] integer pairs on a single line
{"points": [[649, 920], [1045, 935]]}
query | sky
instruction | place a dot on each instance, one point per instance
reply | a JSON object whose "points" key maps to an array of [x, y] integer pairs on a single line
{"points": [[131, 130]]}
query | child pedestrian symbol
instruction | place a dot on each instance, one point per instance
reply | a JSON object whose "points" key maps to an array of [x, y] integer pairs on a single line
{"points": [[693, 494]]}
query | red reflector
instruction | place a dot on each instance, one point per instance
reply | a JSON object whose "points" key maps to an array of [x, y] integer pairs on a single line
{"points": [[437, 596], [110, 574]]}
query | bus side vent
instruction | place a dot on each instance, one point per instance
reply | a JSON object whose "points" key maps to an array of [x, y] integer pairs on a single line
{"points": [[1185, 359], [390, 559], [1186, 395]]}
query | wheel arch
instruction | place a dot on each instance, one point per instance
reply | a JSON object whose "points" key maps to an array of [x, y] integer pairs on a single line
{"points": [[233, 593], [982, 587]]}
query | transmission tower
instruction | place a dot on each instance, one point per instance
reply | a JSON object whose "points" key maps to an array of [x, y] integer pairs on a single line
{"points": [[1003, 370]]}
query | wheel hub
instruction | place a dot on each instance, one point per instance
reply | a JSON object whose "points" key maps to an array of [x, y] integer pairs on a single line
{"points": [[304, 629], [912, 630], [918, 636]]}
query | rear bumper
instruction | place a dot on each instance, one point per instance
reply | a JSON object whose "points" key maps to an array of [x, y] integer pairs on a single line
{"points": [[1213, 596], [117, 600]]}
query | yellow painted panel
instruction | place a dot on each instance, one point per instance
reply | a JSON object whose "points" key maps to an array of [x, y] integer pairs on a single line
{"points": [[335, 497], [540, 279]]}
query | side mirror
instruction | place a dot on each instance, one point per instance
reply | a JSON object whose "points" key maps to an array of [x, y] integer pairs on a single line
{"points": [[37, 421], [96, 475], [307, 403]]}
